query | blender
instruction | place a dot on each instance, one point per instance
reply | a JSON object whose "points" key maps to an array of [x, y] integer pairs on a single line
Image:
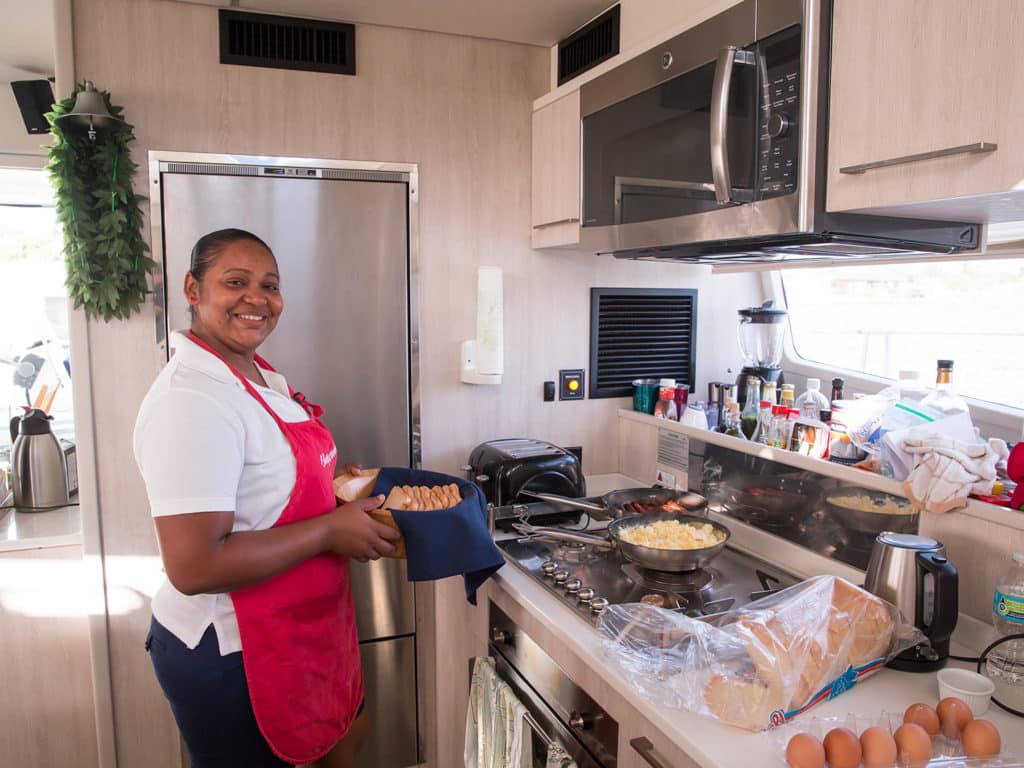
{"points": [[760, 333]]}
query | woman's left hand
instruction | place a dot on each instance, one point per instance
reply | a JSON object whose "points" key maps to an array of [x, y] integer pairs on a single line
{"points": [[348, 469]]}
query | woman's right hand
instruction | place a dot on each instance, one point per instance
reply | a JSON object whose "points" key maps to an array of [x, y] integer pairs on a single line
{"points": [[353, 533]]}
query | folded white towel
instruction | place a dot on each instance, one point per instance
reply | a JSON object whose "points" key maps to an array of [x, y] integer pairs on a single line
{"points": [[948, 470]]}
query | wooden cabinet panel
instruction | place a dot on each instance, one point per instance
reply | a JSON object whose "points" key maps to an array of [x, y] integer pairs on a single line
{"points": [[556, 173], [642, 746], [919, 76]]}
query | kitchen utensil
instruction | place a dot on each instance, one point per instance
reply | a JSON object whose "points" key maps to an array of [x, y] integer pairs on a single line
{"points": [[873, 512], [773, 502], [672, 560], [41, 397], [38, 465], [645, 395], [760, 333], [973, 689], [913, 573], [51, 395], [629, 502]]}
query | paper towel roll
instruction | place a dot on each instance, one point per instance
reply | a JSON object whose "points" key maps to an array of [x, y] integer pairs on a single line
{"points": [[490, 351]]}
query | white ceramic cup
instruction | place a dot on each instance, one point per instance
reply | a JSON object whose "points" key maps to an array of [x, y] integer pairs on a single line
{"points": [[694, 416], [975, 690]]}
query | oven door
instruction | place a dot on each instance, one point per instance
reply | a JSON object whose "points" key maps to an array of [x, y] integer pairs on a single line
{"points": [[559, 709]]}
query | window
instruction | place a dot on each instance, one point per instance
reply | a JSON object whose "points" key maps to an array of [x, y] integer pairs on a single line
{"points": [[33, 302], [882, 319]]}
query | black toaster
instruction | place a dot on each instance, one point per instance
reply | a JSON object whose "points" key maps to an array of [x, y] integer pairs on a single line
{"points": [[504, 468]]}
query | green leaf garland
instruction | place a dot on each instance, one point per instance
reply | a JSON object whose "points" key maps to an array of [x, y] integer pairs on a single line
{"points": [[104, 251]]}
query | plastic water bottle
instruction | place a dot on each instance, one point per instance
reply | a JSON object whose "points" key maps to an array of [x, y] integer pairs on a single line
{"points": [[1006, 661]]}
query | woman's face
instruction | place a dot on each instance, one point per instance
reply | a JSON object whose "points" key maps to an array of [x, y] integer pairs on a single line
{"points": [[238, 301]]}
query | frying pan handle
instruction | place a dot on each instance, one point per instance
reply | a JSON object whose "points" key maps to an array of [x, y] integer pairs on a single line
{"points": [[589, 506], [561, 535]]}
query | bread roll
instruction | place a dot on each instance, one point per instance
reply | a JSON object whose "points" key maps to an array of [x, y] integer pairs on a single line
{"points": [[740, 701], [351, 487], [423, 498]]}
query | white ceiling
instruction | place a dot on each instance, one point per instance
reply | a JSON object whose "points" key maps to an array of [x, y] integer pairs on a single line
{"points": [[26, 40], [535, 22]]}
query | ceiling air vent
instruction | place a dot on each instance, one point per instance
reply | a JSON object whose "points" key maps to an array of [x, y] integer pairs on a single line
{"points": [[284, 42], [589, 46], [640, 333]]}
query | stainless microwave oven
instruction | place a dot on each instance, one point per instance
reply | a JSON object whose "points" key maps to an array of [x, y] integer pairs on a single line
{"points": [[712, 147]]}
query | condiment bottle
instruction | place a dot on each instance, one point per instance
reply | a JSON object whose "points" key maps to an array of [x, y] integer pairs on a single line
{"points": [[748, 418], [943, 399], [732, 420], [778, 436], [769, 392], [837, 390], [812, 401], [788, 395], [665, 408], [764, 422]]}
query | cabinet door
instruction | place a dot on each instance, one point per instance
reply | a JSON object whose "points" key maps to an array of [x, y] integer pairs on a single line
{"points": [[556, 173], [643, 746], [918, 76]]}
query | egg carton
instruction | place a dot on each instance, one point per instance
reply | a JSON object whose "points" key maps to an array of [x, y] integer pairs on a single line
{"points": [[946, 753]]}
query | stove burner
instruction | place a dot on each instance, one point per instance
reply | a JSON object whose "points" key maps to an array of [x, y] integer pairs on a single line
{"points": [[684, 581]]}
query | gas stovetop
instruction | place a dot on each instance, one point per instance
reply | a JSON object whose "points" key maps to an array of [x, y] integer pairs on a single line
{"points": [[589, 579]]}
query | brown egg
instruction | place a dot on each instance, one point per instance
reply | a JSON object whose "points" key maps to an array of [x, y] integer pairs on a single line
{"points": [[954, 714], [805, 751], [913, 745], [981, 739], [878, 747], [923, 715], [842, 748]]}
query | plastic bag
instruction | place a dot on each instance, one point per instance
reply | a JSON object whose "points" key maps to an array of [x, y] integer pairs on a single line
{"points": [[763, 664], [862, 418]]}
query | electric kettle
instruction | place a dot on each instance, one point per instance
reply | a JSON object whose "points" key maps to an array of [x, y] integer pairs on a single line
{"points": [[38, 467], [913, 573]]}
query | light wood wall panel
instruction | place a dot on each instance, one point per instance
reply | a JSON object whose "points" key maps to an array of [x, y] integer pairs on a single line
{"points": [[46, 704], [459, 107]]}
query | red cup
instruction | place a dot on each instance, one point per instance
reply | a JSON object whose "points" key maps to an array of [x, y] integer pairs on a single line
{"points": [[682, 395]]}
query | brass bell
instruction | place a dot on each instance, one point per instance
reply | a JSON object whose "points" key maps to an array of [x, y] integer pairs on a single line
{"points": [[89, 112]]}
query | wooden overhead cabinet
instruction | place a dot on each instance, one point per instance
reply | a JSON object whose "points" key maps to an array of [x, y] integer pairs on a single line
{"points": [[926, 108], [556, 173]]}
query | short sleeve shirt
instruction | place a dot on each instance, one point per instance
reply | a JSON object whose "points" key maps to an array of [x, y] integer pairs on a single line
{"points": [[204, 444]]}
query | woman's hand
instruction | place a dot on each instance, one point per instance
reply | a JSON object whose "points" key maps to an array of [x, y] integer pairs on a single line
{"points": [[354, 533]]}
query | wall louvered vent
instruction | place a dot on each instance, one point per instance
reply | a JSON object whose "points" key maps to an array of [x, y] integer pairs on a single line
{"points": [[640, 333], [284, 42], [589, 46]]}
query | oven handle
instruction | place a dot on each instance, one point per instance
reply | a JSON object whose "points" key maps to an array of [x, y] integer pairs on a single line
{"points": [[728, 57], [643, 747]]}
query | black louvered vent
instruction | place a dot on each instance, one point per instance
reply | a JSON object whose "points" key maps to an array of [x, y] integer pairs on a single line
{"points": [[284, 42], [640, 333], [589, 46]]}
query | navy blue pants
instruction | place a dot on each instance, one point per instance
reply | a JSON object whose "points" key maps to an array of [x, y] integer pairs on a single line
{"points": [[210, 701]]}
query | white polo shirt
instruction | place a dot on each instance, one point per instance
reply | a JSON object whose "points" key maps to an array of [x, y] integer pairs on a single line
{"points": [[204, 444]]}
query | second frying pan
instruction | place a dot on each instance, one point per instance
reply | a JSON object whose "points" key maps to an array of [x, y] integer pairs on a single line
{"points": [[630, 502]]}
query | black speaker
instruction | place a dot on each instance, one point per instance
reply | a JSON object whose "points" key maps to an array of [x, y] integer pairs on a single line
{"points": [[35, 99]]}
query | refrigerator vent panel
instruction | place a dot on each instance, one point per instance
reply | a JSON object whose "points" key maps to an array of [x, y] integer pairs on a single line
{"points": [[640, 333], [285, 42], [589, 46]]}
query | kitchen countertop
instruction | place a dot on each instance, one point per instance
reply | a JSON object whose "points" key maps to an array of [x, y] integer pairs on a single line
{"points": [[710, 743], [58, 527]]}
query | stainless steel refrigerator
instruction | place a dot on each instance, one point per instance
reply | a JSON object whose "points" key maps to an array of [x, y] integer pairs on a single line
{"points": [[344, 234]]}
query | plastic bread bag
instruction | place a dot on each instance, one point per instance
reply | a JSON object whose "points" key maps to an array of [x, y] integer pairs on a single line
{"points": [[764, 664], [863, 417]]}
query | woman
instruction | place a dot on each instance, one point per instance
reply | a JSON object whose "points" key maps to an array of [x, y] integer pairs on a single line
{"points": [[253, 637]]}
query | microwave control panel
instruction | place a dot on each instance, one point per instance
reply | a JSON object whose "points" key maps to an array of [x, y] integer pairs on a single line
{"points": [[778, 123]]}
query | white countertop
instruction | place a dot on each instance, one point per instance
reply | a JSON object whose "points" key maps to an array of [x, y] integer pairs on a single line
{"points": [[708, 742], [58, 527]]}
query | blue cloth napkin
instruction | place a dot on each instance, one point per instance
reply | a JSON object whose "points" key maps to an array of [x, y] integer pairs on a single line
{"points": [[444, 542]]}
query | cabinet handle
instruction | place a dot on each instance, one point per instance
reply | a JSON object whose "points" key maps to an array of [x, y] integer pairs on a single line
{"points": [[554, 223], [965, 149], [642, 745]]}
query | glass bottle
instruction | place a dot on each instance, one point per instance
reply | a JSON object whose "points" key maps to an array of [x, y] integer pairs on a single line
{"points": [[748, 417], [778, 437], [943, 399], [769, 392], [837, 389], [764, 422], [788, 395], [665, 408], [732, 420]]}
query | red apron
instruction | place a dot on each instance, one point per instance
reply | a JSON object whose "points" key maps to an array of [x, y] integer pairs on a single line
{"points": [[298, 628]]}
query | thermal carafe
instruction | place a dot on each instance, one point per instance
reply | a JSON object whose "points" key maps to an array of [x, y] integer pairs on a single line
{"points": [[914, 574], [38, 467]]}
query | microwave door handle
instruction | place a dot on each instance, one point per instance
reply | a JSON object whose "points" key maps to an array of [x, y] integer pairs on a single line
{"points": [[728, 57]]}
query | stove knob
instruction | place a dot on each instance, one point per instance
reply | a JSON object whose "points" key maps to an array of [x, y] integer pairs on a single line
{"points": [[560, 577], [573, 585], [598, 604], [500, 637], [581, 721], [586, 594], [548, 567]]}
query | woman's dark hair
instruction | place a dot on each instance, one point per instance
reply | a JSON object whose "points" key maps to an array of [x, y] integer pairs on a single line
{"points": [[206, 249]]}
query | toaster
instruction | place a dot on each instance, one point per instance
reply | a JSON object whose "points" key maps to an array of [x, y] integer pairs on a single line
{"points": [[504, 468]]}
